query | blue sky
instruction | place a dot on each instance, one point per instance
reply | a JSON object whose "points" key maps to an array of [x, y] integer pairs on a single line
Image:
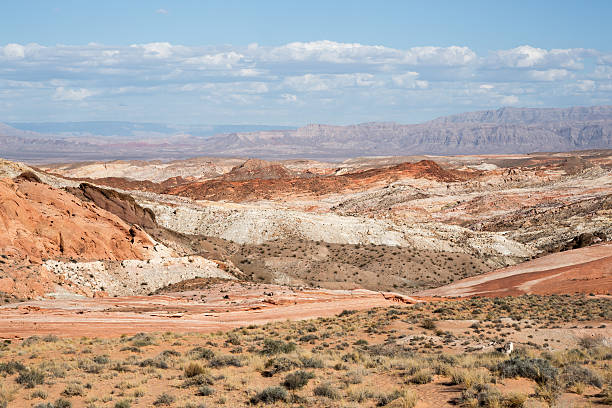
{"points": [[298, 62]]}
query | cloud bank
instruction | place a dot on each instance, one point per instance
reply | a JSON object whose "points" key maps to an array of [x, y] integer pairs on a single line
{"points": [[295, 83]]}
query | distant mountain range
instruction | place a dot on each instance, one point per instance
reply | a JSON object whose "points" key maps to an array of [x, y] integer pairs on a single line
{"points": [[505, 130]]}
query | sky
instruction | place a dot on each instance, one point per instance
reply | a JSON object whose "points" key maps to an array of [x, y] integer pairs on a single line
{"points": [[297, 62]]}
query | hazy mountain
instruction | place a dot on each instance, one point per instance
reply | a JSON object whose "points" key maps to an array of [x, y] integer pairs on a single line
{"points": [[131, 129], [506, 130], [529, 116]]}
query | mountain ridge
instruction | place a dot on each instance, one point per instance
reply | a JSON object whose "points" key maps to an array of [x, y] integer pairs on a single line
{"points": [[505, 130]]}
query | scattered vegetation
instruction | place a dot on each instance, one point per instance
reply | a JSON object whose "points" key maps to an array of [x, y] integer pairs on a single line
{"points": [[379, 357]]}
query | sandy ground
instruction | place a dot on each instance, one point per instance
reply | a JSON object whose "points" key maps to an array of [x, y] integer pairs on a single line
{"points": [[225, 306], [579, 270]]}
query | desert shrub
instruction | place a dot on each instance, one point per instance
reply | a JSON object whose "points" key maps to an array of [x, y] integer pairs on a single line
{"points": [[223, 361], [164, 399], [30, 378], [488, 396], [271, 347], [353, 377], [10, 367], [575, 374], [536, 369], [327, 390], [386, 399], [202, 379], [270, 395], [199, 353], [6, 395], [469, 378], [297, 379], [60, 403], [90, 367], [205, 391], [606, 396], [50, 338], [39, 394], [193, 369], [347, 313], [591, 342], [406, 399], [480, 395], [421, 377], [428, 324], [311, 362], [514, 400], [154, 362], [548, 392], [169, 353], [123, 404], [30, 341], [104, 359], [73, 390], [308, 337], [278, 365], [142, 340]]}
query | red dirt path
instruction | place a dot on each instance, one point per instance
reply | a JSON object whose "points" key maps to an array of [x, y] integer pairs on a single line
{"points": [[184, 312]]}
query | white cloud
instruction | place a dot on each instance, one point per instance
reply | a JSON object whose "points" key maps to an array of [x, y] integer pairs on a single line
{"points": [[67, 94], [550, 74], [161, 11], [157, 49], [224, 59], [14, 51], [509, 100], [409, 80], [526, 56], [585, 85], [313, 83], [289, 97], [315, 74]]}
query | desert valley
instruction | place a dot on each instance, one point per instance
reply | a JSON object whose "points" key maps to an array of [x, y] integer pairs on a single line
{"points": [[366, 281], [305, 204]]}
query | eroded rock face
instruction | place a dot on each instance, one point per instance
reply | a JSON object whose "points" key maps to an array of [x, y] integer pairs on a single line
{"points": [[41, 222], [120, 204]]}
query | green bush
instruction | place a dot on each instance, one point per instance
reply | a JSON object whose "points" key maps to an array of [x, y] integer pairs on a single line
{"points": [[270, 395], [205, 391], [199, 353], [536, 369], [327, 390], [278, 365], [311, 362], [164, 399], [73, 390], [123, 404], [297, 379], [30, 378], [223, 361], [10, 367], [574, 374], [271, 347]]}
